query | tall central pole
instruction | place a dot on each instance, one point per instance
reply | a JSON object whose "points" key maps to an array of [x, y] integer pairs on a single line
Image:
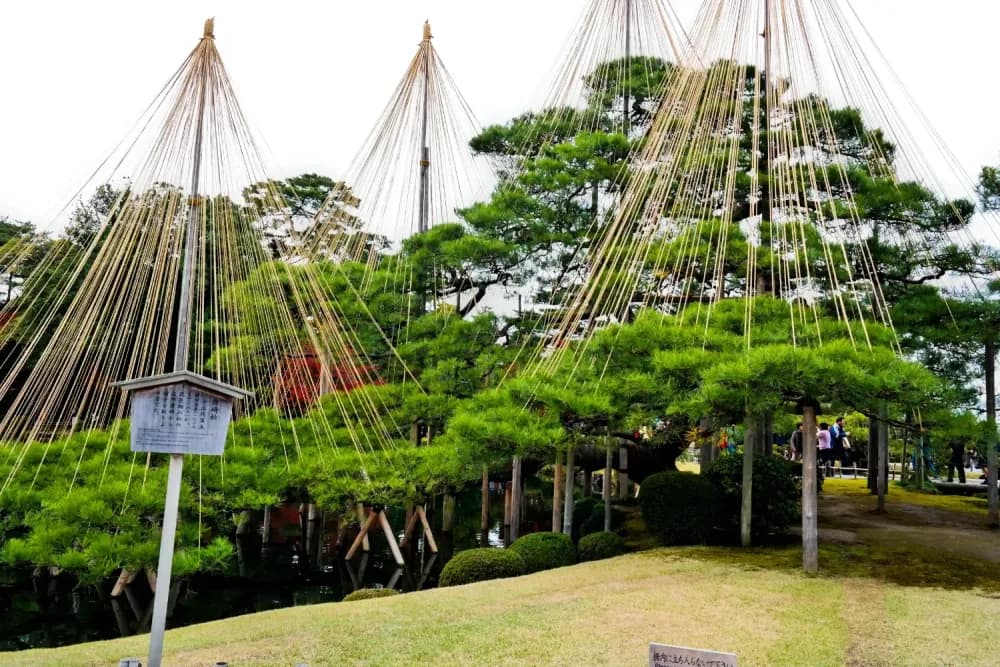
{"points": [[628, 66], [182, 346], [425, 156]]}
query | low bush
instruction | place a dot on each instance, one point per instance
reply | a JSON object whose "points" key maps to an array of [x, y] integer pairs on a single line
{"points": [[545, 551], [370, 594], [598, 546], [474, 565], [777, 493], [680, 507]]}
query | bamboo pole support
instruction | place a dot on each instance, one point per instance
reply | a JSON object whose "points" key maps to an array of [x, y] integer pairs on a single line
{"points": [[428, 533], [390, 538], [361, 519], [362, 537], [124, 579], [411, 523]]}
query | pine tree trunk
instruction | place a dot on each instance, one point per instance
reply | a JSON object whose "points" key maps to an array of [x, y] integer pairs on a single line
{"points": [[557, 493], [992, 493], [750, 444], [568, 492], [606, 484], [873, 455], [883, 454], [810, 533], [484, 513], [448, 513], [623, 473], [515, 501]]}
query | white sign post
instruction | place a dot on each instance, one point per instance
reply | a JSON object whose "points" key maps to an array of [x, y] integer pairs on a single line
{"points": [[176, 413], [181, 413], [664, 655]]}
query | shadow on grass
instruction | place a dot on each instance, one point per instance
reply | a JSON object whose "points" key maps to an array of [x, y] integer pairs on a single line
{"points": [[901, 564]]}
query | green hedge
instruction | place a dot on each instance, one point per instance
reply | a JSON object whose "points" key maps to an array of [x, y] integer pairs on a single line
{"points": [[370, 594], [545, 551], [680, 507], [598, 546], [474, 565], [777, 493]]}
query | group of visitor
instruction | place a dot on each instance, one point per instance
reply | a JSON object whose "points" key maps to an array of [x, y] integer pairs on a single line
{"points": [[833, 444]]}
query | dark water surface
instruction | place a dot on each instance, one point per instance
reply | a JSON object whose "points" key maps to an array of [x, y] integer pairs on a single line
{"points": [[46, 611]]}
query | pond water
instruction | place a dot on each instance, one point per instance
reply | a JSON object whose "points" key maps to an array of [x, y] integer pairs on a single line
{"points": [[56, 611]]}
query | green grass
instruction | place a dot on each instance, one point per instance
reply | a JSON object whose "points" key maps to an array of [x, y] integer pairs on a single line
{"points": [[897, 494], [755, 604]]}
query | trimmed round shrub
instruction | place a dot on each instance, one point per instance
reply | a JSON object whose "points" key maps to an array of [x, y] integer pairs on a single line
{"points": [[777, 493], [370, 594], [545, 551], [472, 565], [680, 507], [598, 546]]}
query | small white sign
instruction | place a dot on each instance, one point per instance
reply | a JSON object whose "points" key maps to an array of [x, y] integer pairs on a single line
{"points": [[179, 419], [663, 655]]}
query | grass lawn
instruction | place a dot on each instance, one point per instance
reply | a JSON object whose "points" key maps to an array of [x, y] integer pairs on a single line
{"points": [[755, 604], [965, 504]]}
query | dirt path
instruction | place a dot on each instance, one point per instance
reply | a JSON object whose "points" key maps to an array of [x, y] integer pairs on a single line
{"points": [[847, 518]]}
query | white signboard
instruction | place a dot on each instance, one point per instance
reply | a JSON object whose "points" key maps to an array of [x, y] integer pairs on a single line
{"points": [[179, 419], [662, 655]]}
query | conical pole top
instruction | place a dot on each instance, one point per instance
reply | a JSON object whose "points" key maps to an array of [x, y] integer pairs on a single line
{"points": [[427, 31], [209, 29]]}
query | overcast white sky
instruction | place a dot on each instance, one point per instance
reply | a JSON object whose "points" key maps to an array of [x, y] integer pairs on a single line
{"points": [[313, 75]]}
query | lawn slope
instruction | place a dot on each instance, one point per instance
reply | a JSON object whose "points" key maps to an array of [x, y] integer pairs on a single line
{"points": [[602, 613]]}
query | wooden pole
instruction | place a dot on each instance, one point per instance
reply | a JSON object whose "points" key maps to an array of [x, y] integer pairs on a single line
{"points": [[266, 529], [810, 522], [750, 437], [484, 512], [425, 157], [557, 493], [507, 493], [568, 491], [606, 484], [992, 492], [362, 535], [873, 469], [428, 533], [411, 523], [623, 473], [588, 482], [448, 513], [515, 500], [124, 579], [361, 522], [390, 537]]}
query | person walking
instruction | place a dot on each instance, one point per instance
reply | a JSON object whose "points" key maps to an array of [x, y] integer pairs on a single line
{"points": [[957, 461], [824, 446], [838, 453], [796, 441]]}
